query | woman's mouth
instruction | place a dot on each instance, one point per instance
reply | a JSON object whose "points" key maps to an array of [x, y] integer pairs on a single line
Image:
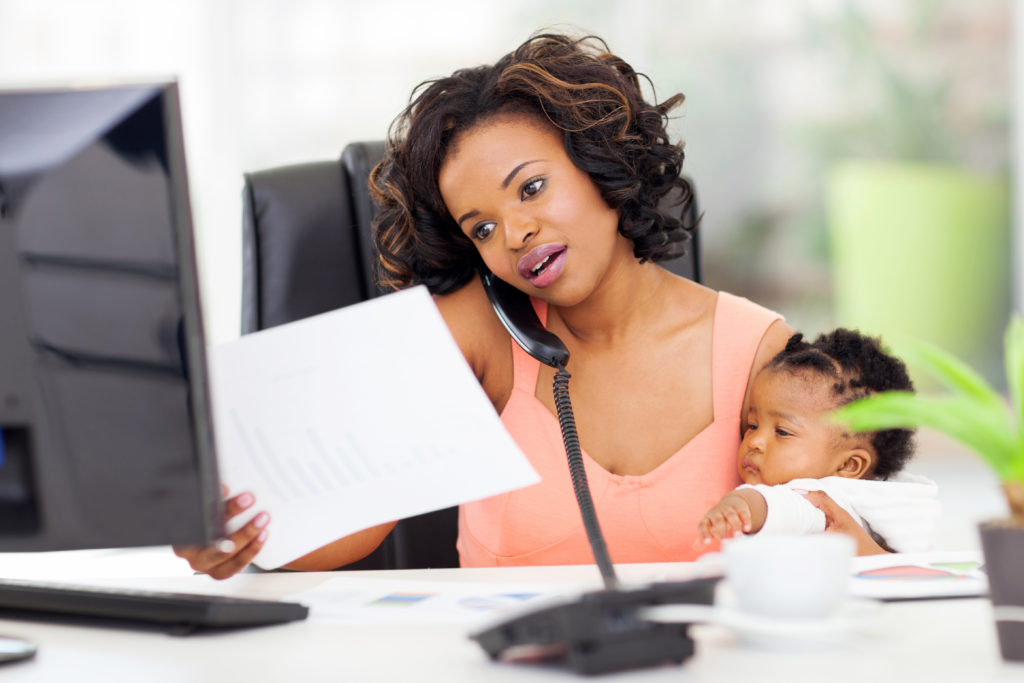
{"points": [[543, 265]]}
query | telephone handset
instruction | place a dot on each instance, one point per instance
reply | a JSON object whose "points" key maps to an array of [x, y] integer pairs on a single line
{"points": [[517, 315]]}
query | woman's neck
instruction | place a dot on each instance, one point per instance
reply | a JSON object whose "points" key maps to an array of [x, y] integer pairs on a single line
{"points": [[627, 301]]}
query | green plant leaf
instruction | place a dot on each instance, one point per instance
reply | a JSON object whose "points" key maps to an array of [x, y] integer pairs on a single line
{"points": [[1013, 346], [952, 372], [967, 419]]}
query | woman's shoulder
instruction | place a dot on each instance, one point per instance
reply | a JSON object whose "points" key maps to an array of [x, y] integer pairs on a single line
{"points": [[743, 308], [480, 336], [739, 321], [717, 305], [467, 309], [696, 300], [724, 307], [738, 317]]}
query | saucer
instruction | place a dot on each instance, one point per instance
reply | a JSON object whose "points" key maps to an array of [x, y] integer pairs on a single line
{"points": [[787, 633], [775, 632]]}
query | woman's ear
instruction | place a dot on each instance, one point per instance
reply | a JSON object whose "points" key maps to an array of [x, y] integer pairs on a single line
{"points": [[856, 464]]}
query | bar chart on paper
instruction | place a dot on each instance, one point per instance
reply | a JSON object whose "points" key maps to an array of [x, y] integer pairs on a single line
{"points": [[315, 465]]}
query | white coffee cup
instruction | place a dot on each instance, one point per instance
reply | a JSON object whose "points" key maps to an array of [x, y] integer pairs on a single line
{"points": [[793, 577]]}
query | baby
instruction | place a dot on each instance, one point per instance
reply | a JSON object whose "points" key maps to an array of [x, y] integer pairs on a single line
{"points": [[790, 447]]}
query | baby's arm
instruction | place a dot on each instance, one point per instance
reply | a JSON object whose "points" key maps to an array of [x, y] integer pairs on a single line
{"points": [[740, 511]]}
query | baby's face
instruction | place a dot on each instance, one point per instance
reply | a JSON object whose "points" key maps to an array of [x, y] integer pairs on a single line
{"points": [[788, 436]]}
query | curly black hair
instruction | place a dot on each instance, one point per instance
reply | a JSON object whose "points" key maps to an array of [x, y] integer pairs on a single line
{"points": [[608, 129], [858, 366]]}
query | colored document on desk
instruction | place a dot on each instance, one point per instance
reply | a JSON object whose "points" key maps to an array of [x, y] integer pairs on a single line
{"points": [[353, 418], [352, 598], [920, 576]]}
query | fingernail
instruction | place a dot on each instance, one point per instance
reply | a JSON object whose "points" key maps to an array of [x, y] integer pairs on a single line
{"points": [[225, 545], [245, 499], [261, 520], [263, 535]]}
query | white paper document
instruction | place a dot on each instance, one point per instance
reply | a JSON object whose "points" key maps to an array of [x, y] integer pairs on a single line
{"points": [[924, 575], [353, 418], [351, 598]]}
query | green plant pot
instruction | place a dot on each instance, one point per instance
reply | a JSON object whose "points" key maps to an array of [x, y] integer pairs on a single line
{"points": [[922, 250], [1003, 548]]}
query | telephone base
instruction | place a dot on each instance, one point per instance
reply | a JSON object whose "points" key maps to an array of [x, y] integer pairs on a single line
{"points": [[601, 631]]}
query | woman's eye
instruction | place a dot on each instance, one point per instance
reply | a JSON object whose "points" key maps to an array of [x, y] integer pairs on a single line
{"points": [[482, 231], [532, 187]]}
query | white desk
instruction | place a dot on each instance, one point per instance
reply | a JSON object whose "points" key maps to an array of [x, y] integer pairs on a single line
{"points": [[944, 640]]}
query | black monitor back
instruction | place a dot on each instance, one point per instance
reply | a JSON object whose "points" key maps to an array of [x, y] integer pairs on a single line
{"points": [[104, 416]]}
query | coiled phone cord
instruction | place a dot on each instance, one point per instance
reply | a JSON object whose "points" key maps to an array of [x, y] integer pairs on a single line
{"points": [[563, 406]]}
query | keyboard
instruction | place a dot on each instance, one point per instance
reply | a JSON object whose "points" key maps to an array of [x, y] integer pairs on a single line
{"points": [[178, 613]]}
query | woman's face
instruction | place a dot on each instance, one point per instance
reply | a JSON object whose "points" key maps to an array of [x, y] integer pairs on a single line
{"points": [[537, 220]]}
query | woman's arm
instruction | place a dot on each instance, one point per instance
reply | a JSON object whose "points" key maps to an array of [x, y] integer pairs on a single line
{"points": [[839, 520], [233, 554], [480, 336], [343, 551]]}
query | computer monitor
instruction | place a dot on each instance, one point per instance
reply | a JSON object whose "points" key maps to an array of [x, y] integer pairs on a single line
{"points": [[104, 408]]}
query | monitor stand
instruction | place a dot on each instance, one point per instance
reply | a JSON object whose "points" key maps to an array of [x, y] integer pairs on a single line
{"points": [[13, 649]]}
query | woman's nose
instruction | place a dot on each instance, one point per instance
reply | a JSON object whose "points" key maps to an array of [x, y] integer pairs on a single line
{"points": [[519, 230]]}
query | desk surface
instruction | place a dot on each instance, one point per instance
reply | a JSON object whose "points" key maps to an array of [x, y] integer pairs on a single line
{"points": [[941, 640]]}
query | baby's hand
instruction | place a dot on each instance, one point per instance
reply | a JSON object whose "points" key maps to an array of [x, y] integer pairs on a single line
{"points": [[729, 517], [742, 511]]}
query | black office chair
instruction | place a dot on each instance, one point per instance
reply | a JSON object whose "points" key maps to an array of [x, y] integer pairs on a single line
{"points": [[306, 249]]}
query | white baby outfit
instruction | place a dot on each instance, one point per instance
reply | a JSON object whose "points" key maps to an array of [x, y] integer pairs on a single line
{"points": [[903, 510]]}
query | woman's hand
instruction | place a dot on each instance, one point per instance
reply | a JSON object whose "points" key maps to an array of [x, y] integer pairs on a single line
{"points": [[233, 554], [840, 521]]}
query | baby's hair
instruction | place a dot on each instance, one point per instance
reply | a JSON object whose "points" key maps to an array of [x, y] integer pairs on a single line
{"points": [[858, 367]]}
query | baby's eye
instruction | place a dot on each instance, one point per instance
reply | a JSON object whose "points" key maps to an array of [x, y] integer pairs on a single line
{"points": [[532, 187], [781, 432], [482, 231], [751, 426]]}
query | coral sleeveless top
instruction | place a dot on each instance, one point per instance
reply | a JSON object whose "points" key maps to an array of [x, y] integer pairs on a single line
{"points": [[646, 518]]}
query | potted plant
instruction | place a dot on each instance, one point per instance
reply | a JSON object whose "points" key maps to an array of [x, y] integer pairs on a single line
{"points": [[977, 416], [915, 191]]}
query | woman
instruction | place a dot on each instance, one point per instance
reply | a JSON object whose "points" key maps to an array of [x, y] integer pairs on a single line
{"points": [[548, 167]]}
